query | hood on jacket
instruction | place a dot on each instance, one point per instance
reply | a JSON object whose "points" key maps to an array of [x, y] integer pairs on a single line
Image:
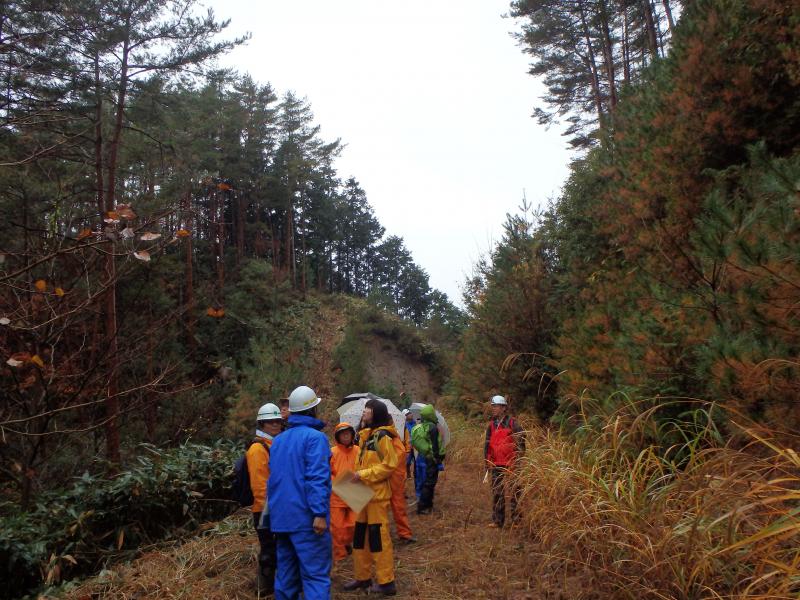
{"points": [[344, 427], [305, 420], [428, 413]]}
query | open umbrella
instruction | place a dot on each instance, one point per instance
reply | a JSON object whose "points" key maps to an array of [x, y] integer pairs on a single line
{"points": [[417, 407], [351, 412]]}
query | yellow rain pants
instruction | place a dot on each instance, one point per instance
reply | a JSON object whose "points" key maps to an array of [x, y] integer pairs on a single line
{"points": [[373, 544]]}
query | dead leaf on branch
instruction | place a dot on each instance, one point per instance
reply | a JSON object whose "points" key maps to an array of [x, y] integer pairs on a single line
{"points": [[149, 236], [127, 233], [85, 233], [40, 285], [216, 313], [142, 255], [5, 321], [182, 233]]}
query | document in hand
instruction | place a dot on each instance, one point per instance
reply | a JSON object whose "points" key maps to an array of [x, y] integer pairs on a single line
{"points": [[355, 494]]}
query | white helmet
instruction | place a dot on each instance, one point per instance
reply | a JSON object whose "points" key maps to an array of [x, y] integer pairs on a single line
{"points": [[406, 411], [269, 412], [302, 398], [498, 400]]}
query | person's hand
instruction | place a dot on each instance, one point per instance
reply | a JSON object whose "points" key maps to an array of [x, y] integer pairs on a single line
{"points": [[319, 525], [356, 477]]}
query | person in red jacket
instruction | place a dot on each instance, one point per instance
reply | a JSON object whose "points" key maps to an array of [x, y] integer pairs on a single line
{"points": [[505, 442]]}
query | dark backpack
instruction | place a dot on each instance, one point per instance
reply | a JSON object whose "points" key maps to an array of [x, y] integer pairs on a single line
{"points": [[241, 491]]}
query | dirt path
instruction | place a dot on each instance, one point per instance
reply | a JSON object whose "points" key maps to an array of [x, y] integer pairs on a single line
{"points": [[456, 557]]}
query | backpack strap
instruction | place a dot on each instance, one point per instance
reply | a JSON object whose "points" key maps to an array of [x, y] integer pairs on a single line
{"points": [[258, 440]]}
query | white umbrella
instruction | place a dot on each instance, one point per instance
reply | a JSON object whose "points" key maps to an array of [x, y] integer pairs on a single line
{"points": [[351, 412], [417, 407]]}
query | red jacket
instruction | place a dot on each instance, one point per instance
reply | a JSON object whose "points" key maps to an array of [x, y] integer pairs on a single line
{"points": [[503, 444]]}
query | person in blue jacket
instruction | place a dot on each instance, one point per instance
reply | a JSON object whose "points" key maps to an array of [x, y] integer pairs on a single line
{"points": [[299, 495]]}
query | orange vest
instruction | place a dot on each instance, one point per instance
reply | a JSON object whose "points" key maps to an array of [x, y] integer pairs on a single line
{"points": [[342, 459]]}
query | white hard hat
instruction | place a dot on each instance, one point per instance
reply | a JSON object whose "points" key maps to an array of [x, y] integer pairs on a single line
{"points": [[302, 398], [406, 411], [268, 412], [498, 400]]}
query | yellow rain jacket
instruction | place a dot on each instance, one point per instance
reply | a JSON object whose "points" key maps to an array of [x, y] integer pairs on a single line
{"points": [[377, 460]]}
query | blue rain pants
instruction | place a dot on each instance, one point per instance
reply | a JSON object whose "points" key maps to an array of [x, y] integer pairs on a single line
{"points": [[304, 565]]}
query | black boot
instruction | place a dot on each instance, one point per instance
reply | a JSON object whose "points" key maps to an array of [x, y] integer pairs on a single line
{"points": [[356, 584], [387, 589]]}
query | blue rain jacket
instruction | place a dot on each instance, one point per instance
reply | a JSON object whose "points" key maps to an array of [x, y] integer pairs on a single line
{"points": [[300, 476]]}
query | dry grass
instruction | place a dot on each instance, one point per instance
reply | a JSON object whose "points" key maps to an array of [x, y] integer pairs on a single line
{"points": [[456, 556], [602, 518], [632, 524]]}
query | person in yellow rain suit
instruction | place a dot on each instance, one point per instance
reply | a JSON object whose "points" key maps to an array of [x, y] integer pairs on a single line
{"points": [[377, 461], [398, 484], [268, 425], [343, 519]]}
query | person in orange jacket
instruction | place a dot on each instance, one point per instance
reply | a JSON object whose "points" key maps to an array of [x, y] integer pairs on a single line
{"points": [[398, 483], [372, 544], [268, 425], [343, 518]]}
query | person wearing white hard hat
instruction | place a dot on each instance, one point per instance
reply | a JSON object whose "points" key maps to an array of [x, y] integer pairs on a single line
{"points": [[268, 425], [505, 442], [299, 502]]}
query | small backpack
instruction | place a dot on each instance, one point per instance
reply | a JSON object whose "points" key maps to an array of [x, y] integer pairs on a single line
{"points": [[241, 491], [420, 439]]}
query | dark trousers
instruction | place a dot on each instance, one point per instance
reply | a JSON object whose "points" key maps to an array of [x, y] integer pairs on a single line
{"points": [[267, 555], [428, 486], [503, 489]]}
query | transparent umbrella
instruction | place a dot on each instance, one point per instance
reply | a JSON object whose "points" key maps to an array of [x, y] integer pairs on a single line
{"points": [[351, 412]]}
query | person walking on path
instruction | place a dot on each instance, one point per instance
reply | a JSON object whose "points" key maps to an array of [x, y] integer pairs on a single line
{"points": [[505, 443], [409, 425], [398, 485], [299, 502], [343, 518], [268, 425], [428, 443], [372, 543]]}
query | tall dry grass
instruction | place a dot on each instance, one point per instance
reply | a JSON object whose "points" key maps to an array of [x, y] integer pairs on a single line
{"points": [[643, 506]]}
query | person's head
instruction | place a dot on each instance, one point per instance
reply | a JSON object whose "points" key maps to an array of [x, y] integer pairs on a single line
{"points": [[344, 434], [303, 401], [498, 406], [283, 403], [409, 415], [269, 419], [376, 414]]}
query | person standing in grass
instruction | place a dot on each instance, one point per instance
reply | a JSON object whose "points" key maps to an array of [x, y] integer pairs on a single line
{"points": [[427, 441], [343, 519], [268, 425], [505, 443], [377, 461], [402, 446], [299, 502]]}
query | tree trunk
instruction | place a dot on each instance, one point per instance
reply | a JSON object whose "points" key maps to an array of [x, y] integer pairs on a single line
{"points": [[608, 56], [626, 49], [112, 401], [650, 26], [670, 21], [595, 81], [189, 276]]}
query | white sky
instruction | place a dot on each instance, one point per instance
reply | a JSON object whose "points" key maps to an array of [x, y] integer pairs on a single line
{"points": [[433, 101]]}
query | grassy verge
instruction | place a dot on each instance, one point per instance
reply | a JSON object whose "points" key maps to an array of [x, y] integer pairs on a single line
{"points": [[634, 519]]}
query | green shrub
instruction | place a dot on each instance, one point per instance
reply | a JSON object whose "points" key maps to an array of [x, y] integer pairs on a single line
{"points": [[74, 531]]}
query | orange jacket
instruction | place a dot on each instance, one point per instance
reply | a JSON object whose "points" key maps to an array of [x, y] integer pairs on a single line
{"points": [[343, 458], [258, 468], [400, 448]]}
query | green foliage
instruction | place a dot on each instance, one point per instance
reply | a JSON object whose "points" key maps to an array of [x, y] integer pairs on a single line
{"points": [[74, 531]]}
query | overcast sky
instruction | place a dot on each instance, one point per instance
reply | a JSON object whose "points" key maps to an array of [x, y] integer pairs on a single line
{"points": [[432, 100]]}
